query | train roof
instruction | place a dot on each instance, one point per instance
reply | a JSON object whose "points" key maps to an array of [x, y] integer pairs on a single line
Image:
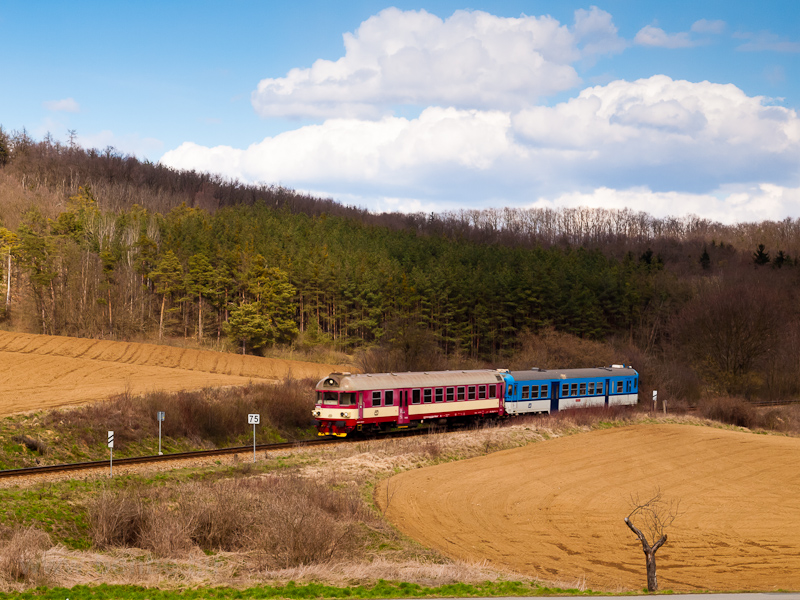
{"points": [[596, 373], [349, 382]]}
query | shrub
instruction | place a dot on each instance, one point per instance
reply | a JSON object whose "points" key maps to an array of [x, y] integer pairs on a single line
{"points": [[732, 411], [288, 521], [22, 557]]}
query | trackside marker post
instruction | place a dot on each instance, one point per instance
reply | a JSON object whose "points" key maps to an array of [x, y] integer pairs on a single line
{"points": [[111, 451], [655, 400], [254, 420], [160, 418]]}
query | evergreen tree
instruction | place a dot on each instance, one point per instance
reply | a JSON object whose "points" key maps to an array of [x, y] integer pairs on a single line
{"points": [[705, 259], [760, 256], [168, 280], [200, 282]]}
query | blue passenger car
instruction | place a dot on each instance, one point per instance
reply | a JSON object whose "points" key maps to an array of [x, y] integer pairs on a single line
{"points": [[542, 391]]}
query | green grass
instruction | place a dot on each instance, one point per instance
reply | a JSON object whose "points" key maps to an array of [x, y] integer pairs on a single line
{"points": [[382, 589]]}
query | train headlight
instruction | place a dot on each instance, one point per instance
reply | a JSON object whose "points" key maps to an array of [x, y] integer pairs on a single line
{"points": [[316, 413], [346, 415]]}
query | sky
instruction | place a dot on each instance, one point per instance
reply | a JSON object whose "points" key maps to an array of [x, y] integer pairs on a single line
{"points": [[673, 108]]}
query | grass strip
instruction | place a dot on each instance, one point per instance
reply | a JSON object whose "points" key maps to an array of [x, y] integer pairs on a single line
{"points": [[292, 591]]}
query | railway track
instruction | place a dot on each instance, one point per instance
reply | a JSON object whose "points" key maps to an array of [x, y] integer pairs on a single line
{"points": [[138, 460]]}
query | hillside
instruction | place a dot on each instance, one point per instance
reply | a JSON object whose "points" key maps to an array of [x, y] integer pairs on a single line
{"points": [[555, 509], [40, 371]]}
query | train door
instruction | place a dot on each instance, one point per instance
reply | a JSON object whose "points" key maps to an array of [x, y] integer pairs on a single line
{"points": [[402, 415], [553, 397], [361, 406], [607, 383]]}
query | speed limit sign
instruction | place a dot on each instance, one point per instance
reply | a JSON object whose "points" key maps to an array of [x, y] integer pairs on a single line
{"points": [[253, 419]]}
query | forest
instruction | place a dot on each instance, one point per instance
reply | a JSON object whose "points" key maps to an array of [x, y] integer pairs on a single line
{"points": [[101, 244]]}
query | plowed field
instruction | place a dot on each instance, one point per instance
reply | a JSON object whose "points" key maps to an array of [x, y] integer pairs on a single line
{"points": [[555, 509], [39, 371]]}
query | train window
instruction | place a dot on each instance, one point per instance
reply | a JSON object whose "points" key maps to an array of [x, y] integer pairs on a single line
{"points": [[439, 395], [565, 389], [525, 389], [492, 391], [534, 392], [543, 393], [451, 394], [376, 398], [461, 393], [573, 389], [471, 392], [482, 392], [427, 395], [591, 388], [388, 398], [582, 391], [347, 399], [416, 396], [619, 387], [330, 398]]}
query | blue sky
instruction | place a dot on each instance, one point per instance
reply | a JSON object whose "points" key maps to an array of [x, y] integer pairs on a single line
{"points": [[673, 108]]}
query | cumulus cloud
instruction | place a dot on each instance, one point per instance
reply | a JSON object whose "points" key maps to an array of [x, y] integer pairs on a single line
{"points": [[470, 60], [661, 134], [650, 35], [706, 26], [65, 105]]}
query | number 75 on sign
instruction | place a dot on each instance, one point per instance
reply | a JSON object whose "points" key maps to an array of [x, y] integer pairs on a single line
{"points": [[253, 419]]}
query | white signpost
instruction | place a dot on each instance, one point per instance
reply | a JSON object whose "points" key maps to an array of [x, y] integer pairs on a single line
{"points": [[160, 417], [254, 420], [655, 400], [111, 456]]}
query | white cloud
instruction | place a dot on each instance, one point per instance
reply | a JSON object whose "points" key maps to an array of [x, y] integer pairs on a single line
{"points": [[666, 135], [650, 35], [65, 105], [766, 41], [728, 204], [470, 60], [706, 26]]}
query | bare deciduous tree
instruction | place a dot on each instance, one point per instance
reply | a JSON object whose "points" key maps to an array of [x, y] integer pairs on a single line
{"points": [[652, 516]]}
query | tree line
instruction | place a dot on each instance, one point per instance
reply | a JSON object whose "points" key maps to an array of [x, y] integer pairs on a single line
{"points": [[97, 244]]}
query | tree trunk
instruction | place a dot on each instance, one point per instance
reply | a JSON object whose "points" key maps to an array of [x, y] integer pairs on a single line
{"points": [[161, 319], [650, 555]]}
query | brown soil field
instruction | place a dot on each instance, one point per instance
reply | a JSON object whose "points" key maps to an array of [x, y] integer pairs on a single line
{"points": [[555, 509], [40, 371]]}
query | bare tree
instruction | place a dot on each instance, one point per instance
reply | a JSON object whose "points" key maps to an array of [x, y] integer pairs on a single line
{"points": [[653, 516]]}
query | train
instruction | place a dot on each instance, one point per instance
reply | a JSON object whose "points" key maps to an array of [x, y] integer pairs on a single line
{"points": [[347, 403]]}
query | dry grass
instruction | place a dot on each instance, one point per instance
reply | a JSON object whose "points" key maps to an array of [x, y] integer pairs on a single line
{"points": [[315, 520], [22, 557], [211, 417]]}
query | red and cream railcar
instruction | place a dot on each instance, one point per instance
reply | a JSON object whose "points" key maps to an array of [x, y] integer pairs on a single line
{"points": [[379, 401]]}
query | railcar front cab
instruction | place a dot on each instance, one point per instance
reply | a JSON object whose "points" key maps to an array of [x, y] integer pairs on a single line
{"points": [[542, 391], [336, 410]]}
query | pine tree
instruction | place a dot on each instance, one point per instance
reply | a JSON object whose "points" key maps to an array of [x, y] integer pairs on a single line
{"points": [[705, 259], [760, 256], [168, 279]]}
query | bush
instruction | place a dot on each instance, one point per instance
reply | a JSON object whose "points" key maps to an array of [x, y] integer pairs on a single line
{"points": [[22, 556], [732, 411], [211, 417], [288, 521]]}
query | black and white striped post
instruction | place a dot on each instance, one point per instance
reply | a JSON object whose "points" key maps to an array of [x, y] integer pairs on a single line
{"points": [[111, 455]]}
